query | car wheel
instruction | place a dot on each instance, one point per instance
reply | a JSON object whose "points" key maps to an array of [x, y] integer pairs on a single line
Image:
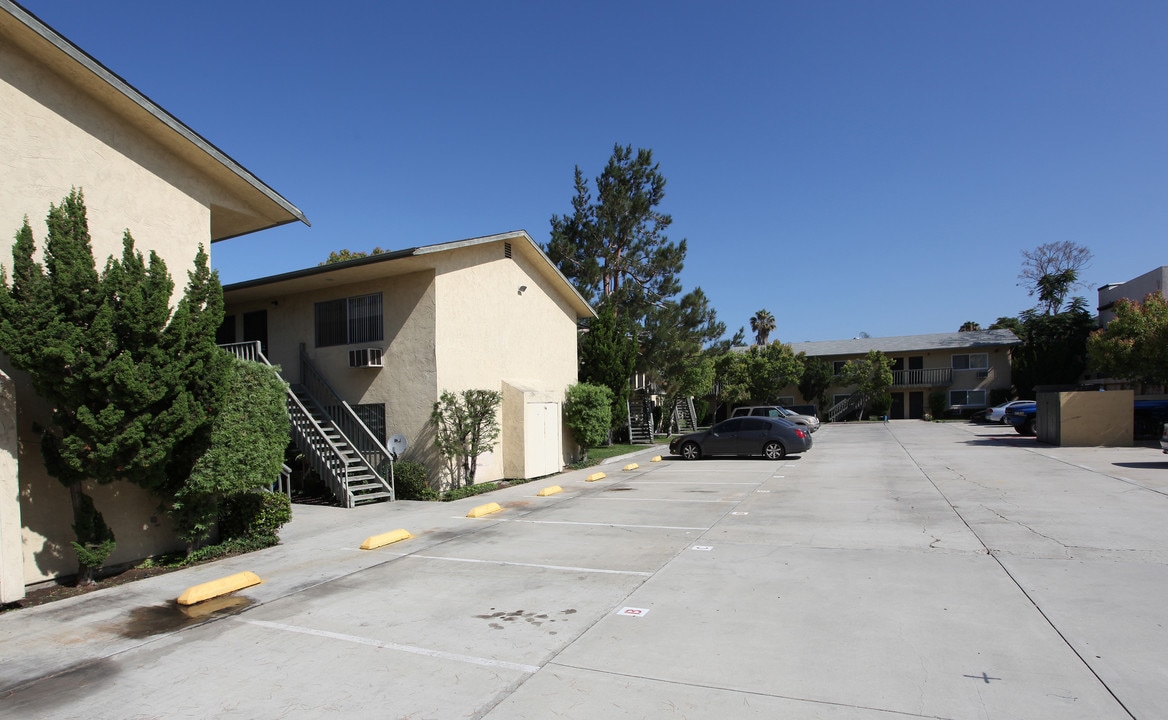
{"points": [[1028, 427], [774, 451], [691, 451]]}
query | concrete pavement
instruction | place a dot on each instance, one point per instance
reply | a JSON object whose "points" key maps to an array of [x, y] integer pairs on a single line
{"points": [[900, 570]]}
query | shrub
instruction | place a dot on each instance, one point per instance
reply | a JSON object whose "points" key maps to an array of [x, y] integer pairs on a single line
{"points": [[588, 414], [411, 481], [469, 491], [255, 515], [937, 404], [465, 426]]}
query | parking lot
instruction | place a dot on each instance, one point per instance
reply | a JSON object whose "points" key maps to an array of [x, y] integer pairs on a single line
{"points": [[899, 570]]}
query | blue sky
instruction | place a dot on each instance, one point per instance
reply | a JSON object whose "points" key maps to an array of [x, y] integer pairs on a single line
{"points": [[850, 166]]}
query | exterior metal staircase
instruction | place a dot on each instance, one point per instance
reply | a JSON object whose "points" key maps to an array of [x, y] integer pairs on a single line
{"points": [[684, 418], [847, 406], [350, 460], [640, 413]]}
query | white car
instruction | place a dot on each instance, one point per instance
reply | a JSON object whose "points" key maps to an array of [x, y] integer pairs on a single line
{"points": [[998, 414]]}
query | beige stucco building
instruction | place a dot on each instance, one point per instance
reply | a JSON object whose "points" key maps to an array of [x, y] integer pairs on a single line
{"points": [[69, 122], [389, 333], [966, 367]]}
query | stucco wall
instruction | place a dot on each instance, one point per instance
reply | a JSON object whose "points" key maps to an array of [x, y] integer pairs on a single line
{"points": [[11, 550], [488, 331], [57, 137], [1086, 419], [406, 384]]}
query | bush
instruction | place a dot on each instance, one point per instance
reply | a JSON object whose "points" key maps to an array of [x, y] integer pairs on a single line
{"points": [[254, 515], [469, 491], [411, 481], [588, 414], [937, 404]]}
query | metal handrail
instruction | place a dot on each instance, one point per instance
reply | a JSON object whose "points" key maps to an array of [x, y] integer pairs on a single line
{"points": [[325, 456], [347, 422], [250, 350]]}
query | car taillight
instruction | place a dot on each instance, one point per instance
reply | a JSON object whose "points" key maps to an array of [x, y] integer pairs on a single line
{"points": [[801, 434]]}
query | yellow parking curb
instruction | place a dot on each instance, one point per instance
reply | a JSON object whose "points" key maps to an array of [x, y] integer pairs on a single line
{"points": [[656, 459], [484, 510], [596, 476], [215, 588], [632, 466], [375, 541], [550, 491]]}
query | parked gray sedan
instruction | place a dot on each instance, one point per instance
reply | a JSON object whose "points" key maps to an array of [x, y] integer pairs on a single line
{"points": [[772, 438]]}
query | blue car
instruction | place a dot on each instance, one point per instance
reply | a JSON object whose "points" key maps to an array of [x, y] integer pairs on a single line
{"points": [[1023, 416]]}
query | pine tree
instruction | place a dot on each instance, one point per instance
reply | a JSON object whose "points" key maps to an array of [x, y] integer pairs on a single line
{"points": [[608, 355]]}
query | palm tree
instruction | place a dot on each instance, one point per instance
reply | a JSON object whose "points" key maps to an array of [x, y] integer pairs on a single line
{"points": [[762, 324], [969, 326]]}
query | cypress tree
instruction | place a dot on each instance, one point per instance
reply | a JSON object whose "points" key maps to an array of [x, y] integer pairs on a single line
{"points": [[128, 385]]}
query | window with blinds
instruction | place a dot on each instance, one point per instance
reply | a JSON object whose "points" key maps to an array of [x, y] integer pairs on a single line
{"points": [[348, 321]]}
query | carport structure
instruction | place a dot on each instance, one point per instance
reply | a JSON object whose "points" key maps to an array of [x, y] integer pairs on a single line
{"points": [[897, 570]]}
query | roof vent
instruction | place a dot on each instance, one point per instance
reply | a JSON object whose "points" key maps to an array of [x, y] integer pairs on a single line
{"points": [[507, 250]]}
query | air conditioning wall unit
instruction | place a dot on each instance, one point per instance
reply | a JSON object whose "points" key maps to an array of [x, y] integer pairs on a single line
{"points": [[983, 374], [365, 357]]}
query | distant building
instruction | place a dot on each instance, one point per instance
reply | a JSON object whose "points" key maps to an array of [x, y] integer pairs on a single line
{"points": [[967, 367], [1135, 289]]}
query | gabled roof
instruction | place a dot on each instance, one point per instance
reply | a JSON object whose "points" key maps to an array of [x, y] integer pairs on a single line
{"points": [[269, 209], [909, 343], [400, 262]]}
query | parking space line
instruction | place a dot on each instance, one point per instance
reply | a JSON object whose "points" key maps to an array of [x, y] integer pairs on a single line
{"points": [[690, 482], [442, 655], [644, 499], [567, 568], [612, 525]]}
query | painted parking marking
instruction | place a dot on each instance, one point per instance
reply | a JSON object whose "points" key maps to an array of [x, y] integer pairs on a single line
{"points": [[644, 499], [705, 548], [566, 568], [762, 491], [739, 513], [632, 612], [440, 654], [611, 525], [690, 482]]}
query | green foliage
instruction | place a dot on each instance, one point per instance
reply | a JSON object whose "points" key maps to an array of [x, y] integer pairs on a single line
{"points": [[615, 249], [254, 515], [131, 387], [247, 441], [411, 481], [588, 414], [675, 355], [762, 324], [608, 355], [1053, 349], [871, 375], [95, 540], [1134, 345], [465, 426], [969, 326], [816, 378], [937, 404], [1051, 271], [1012, 324], [338, 256], [757, 376], [468, 491]]}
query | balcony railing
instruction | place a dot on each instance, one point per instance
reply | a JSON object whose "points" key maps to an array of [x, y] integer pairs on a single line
{"points": [[931, 377]]}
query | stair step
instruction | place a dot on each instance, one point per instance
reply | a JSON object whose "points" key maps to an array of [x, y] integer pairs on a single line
{"points": [[371, 498]]}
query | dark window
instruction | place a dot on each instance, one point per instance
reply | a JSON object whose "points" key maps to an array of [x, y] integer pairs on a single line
{"points": [[255, 327], [348, 321], [837, 367], [976, 361], [734, 425], [225, 335], [967, 398], [754, 424]]}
